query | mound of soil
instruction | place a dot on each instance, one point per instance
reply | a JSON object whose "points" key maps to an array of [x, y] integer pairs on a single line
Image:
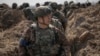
{"points": [[83, 31], [10, 18]]}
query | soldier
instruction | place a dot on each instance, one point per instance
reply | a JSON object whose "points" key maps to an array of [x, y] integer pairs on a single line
{"points": [[89, 4], [99, 2], [78, 5], [42, 39], [29, 13], [14, 6], [59, 15], [66, 8], [83, 5], [37, 4], [60, 7], [25, 5], [46, 3], [57, 24]]}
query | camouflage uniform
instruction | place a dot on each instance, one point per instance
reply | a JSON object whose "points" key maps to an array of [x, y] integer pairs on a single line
{"points": [[61, 18], [57, 24], [59, 15], [44, 42]]}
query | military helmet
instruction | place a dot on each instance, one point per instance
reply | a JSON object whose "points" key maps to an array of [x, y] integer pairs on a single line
{"points": [[66, 3], [14, 6], [54, 5], [42, 11]]}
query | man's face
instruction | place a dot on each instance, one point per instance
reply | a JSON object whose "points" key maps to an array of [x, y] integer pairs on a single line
{"points": [[45, 19]]}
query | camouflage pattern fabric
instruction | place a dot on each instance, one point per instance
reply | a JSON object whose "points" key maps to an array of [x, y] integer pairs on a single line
{"points": [[57, 24], [43, 42]]}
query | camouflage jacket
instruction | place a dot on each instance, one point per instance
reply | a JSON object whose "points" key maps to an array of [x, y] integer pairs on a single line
{"points": [[42, 42], [57, 24], [60, 16]]}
